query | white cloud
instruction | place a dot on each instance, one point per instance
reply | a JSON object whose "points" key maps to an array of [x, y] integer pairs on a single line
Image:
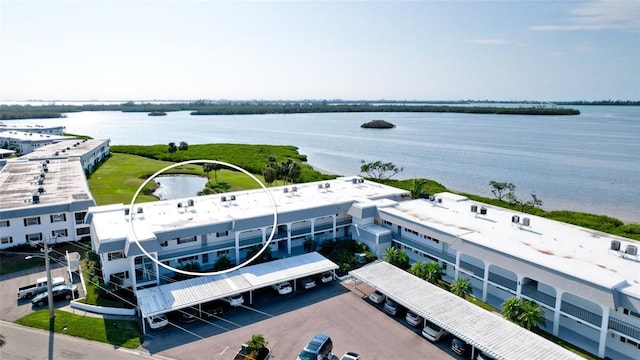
{"points": [[621, 15], [489, 41]]}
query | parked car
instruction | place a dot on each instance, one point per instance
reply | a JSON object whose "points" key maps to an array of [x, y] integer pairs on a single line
{"points": [[213, 309], [391, 307], [377, 297], [187, 315], [320, 347], [235, 300], [308, 283], [283, 288], [157, 322], [433, 332], [350, 355], [59, 292], [458, 346], [326, 277], [413, 319]]}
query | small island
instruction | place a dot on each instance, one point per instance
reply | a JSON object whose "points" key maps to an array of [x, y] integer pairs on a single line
{"points": [[157, 113], [377, 124]]}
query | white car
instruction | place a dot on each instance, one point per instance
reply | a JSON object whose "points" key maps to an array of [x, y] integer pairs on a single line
{"points": [[157, 322], [413, 319], [235, 300], [283, 288], [308, 283], [433, 332], [350, 355], [377, 297], [326, 277]]}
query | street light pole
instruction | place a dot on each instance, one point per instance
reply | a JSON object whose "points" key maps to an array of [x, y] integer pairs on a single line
{"points": [[49, 287]]}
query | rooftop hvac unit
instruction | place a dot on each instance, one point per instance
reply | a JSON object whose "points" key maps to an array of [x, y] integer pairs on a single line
{"points": [[474, 208], [285, 190], [46, 161], [631, 250], [515, 219], [327, 185], [180, 205], [35, 199], [526, 221], [615, 245], [140, 211], [360, 181], [40, 181], [223, 199], [294, 188], [41, 189], [354, 181], [232, 197], [126, 212], [432, 198], [483, 211], [319, 186], [190, 202], [440, 200]]}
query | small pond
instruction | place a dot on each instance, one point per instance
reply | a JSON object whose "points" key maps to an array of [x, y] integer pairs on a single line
{"points": [[179, 186]]}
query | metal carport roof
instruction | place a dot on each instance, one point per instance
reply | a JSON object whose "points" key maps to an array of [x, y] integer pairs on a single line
{"points": [[487, 331], [181, 294]]}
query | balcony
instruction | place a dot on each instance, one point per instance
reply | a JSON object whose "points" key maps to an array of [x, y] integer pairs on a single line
{"points": [[624, 328], [581, 313], [503, 281], [533, 293], [476, 270], [439, 254]]}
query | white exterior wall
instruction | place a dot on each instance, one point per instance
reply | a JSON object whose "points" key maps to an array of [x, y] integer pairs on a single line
{"points": [[18, 231]]}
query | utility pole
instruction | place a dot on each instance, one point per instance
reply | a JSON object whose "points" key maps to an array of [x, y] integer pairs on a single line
{"points": [[48, 270]]}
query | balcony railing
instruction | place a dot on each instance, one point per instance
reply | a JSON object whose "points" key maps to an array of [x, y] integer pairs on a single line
{"points": [[426, 249], [624, 328], [533, 293], [581, 313], [503, 281], [476, 270]]}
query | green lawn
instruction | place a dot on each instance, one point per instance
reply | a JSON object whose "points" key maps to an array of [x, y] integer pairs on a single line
{"points": [[124, 333]]}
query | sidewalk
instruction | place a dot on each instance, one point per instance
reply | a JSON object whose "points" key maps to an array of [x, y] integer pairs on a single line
{"points": [[80, 312]]}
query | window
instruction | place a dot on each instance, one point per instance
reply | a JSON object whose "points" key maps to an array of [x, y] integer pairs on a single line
{"points": [[83, 231], [205, 258], [4, 223], [80, 217], [386, 222], [224, 233], [6, 240], [186, 239], [223, 252], [32, 221], [58, 217], [34, 237], [61, 233], [164, 243], [115, 255], [630, 312], [188, 259]]}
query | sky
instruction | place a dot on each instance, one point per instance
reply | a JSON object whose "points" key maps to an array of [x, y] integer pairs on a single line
{"points": [[294, 50]]}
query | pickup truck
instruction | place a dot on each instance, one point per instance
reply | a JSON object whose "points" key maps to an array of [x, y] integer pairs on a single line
{"points": [[39, 287]]}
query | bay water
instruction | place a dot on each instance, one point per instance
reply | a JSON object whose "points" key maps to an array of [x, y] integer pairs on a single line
{"points": [[589, 162]]}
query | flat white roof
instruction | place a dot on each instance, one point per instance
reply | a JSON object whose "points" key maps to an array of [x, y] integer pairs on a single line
{"points": [[485, 330], [66, 148], [181, 294], [64, 182], [111, 222], [32, 136], [576, 251]]}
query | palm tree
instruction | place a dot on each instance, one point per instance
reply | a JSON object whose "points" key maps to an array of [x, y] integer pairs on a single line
{"points": [[183, 147], [256, 346], [461, 287], [417, 269], [531, 315], [398, 258], [511, 309], [416, 188], [207, 168], [172, 148], [433, 272]]}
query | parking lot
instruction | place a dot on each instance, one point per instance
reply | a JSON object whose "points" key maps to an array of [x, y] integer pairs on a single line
{"points": [[287, 322]]}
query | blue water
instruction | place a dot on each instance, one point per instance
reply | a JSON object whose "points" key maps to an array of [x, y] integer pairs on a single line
{"points": [[589, 162]]}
